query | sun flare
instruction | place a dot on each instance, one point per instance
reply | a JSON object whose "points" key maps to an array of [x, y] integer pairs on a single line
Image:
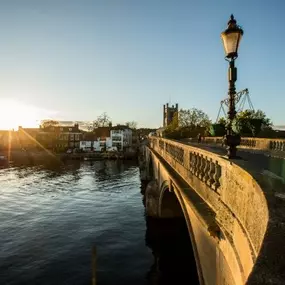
{"points": [[14, 114]]}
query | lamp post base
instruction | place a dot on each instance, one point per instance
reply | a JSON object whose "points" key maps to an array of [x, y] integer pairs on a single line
{"points": [[231, 152], [232, 141]]}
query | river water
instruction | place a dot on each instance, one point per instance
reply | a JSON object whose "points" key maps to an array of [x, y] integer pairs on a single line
{"points": [[52, 216]]}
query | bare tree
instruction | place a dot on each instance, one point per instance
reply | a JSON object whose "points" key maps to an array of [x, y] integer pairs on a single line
{"points": [[132, 124], [102, 121]]}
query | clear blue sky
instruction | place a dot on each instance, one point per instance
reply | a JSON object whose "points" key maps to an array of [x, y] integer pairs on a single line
{"points": [[127, 58]]}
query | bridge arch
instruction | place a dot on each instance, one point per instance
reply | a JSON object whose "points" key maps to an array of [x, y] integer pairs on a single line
{"points": [[168, 206]]}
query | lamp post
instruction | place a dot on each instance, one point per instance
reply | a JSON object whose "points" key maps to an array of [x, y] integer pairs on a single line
{"points": [[231, 38]]}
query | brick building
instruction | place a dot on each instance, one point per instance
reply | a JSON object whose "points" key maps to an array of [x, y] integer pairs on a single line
{"points": [[60, 137]]}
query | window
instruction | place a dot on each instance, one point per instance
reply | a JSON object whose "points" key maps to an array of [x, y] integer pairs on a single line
{"points": [[116, 138], [116, 131], [76, 137], [71, 137]]}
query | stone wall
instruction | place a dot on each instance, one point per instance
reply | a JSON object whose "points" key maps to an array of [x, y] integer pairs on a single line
{"points": [[253, 143], [237, 200]]}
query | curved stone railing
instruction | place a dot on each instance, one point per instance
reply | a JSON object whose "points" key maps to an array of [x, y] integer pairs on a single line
{"points": [[237, 199], [254, 143]]}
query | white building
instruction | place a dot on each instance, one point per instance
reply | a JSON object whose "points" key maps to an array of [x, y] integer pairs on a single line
{"points": [[121, 137], [109, 142], [85, 145], [97, 145]]}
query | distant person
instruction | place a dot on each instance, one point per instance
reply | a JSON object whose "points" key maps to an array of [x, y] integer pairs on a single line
{"points": [[224, 140], [199, 138]]}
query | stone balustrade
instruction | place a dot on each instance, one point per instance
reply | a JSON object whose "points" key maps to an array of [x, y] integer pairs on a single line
{"points": [[254, 143], [237, 199], [205, 169]]}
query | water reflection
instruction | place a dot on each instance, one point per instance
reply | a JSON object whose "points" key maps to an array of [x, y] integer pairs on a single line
{"points": [[110, 170], [171, 247], [53, 213]]}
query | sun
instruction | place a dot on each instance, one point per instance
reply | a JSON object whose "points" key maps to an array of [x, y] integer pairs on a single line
{"points": [[14, 114]]}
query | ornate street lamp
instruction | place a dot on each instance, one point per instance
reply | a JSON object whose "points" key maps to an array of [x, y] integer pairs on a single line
{"points": [[231, 38]]}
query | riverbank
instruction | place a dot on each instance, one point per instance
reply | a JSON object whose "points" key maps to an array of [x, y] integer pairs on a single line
{"points": [[43, 155]]}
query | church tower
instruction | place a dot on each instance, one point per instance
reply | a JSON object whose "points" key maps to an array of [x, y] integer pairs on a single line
{"points": [[168, 114]]}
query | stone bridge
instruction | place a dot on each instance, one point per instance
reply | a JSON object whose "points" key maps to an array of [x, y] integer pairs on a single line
{"points": [[234, 214]]}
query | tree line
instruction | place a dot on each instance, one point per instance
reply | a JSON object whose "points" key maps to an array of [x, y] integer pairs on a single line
{"points": [[102, 120], [191, 122]]}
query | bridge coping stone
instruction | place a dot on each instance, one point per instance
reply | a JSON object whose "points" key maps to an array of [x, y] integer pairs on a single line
{"points": [[263, 218]]}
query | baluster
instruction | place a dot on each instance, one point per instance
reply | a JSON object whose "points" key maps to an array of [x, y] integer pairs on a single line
{"points": [[196, 168], [190, 161], [211, 173], [197, 164], [201, 168], [217, 176], [193, 163], [182, 156], [206, 170]]}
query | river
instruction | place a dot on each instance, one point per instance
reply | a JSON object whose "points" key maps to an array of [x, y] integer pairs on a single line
{"points": [[53, 215]]}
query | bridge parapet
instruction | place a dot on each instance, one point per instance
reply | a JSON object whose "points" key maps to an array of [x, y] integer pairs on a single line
{"points": [[253, 143], [235, 187], [235, 196]]}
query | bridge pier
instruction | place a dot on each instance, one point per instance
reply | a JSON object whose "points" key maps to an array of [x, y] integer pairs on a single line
{"points": [[167, 232], [151, 197]]}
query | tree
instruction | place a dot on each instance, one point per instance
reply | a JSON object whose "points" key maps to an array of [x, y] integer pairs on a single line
{"points": [[193, 118], [222, 121], [218, 129], [174, 123], [251, 123], [131, 124], [188, 123], [102, 121], [49, 123]]}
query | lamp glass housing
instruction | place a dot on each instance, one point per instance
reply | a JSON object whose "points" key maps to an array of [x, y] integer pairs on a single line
{"points": [[231, 42]]}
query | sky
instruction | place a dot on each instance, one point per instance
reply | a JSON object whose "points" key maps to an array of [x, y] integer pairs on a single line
{"points": [[73, 60]]}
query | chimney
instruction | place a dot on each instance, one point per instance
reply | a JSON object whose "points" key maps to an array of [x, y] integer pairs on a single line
{"points": [[177, 106]]}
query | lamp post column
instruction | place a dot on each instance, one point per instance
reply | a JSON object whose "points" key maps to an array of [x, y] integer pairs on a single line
{"points": [[231, 38], [232, 139]]}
